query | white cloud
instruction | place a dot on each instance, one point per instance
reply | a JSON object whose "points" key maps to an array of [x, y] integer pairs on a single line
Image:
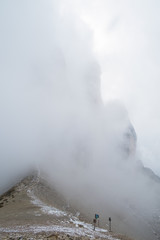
{"points": [[126, 43]]}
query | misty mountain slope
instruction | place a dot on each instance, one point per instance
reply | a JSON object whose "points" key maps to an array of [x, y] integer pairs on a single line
{"points": [[32, 210], [53, 119], [35, 205]]}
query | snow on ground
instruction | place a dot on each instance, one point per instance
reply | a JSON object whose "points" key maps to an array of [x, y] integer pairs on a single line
{"points": [[73, 231], [46, 209], [75, 226], [87, 226], [72, 226]]}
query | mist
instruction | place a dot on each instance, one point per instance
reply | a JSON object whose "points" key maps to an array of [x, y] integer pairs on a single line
{"points": [[54, 120], [126, 36]]}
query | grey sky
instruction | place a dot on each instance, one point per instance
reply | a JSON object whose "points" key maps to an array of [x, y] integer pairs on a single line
{"points": [[126, 42]]}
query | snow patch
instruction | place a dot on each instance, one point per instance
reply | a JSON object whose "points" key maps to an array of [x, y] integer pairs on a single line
{"points": [[59, 229], [46, 209], [87, 226]]}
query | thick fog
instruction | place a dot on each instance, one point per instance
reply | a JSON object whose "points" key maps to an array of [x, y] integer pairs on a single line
{"points": [[126, 42], [50, 89], [53, 118]]}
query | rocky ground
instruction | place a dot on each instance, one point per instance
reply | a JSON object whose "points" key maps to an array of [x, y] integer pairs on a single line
{"points": [[27, 211]]}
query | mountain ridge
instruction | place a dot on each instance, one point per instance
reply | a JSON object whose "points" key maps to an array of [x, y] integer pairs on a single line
{"points": [[25, 213]]}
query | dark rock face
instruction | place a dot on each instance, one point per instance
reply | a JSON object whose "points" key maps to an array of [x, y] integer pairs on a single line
{"points": [[130, 141]]}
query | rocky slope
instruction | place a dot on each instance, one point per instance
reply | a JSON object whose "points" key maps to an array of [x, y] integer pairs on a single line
{"points": [[32, 210]]}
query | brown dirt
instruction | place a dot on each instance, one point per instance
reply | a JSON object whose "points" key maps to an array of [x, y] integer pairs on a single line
{"points": [[18, 214]]}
